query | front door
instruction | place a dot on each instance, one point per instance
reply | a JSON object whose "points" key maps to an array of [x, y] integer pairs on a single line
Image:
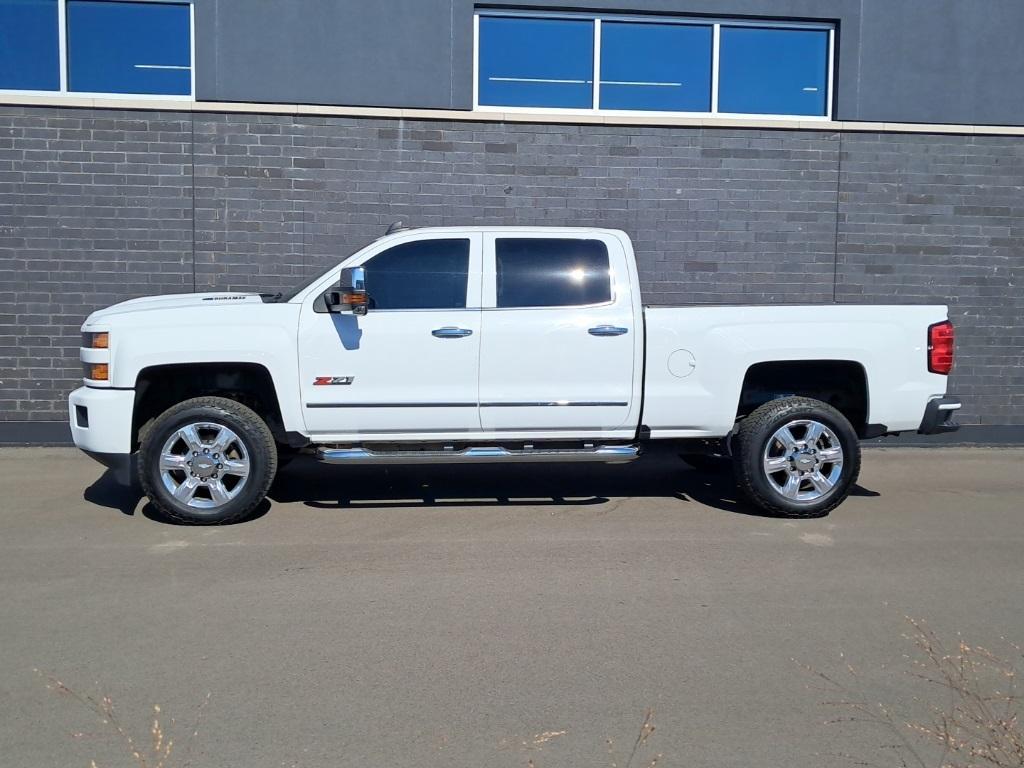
{"points": [[408, 366], [559, 334]]}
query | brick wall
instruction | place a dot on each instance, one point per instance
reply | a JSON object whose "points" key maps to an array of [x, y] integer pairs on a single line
{"points": [[99, 206], [95, 208]]}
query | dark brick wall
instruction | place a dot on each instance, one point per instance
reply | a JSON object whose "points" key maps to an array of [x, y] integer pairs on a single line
{"points": [[95, 208], [98, 206], [939, 218]]}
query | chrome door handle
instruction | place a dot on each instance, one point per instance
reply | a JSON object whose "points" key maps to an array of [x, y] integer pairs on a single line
{"points": [[608, 330], [451, 332]]}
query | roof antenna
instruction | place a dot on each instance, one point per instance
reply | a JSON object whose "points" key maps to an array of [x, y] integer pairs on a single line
{"points": [[398, 226]]}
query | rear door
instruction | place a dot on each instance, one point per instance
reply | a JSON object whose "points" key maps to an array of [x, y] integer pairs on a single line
{"points": [[558, 337]]}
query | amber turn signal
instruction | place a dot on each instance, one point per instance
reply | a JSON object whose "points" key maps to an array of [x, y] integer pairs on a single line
{"points": [[354, 299], [99, 372], [101, 340]]}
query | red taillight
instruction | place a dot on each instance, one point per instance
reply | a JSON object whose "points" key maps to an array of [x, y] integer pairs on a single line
{"points": [[940, 347]]}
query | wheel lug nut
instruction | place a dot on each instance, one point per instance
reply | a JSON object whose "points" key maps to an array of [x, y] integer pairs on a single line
{"points": [[220, 466]]}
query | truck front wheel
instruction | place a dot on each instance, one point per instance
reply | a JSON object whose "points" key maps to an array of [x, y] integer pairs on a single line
{"points": [[796, 457], [207, 461]]}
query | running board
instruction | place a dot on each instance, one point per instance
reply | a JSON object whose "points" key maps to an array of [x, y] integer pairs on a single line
{"points": [[606, 454]]}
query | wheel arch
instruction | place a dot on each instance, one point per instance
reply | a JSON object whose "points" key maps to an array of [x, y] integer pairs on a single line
{"points": [[159, 387], [843, 384]]}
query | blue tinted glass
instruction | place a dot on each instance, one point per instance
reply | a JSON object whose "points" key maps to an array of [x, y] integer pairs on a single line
{"points": [[536, 62], [773, 71], [663, 67], [116, 47], [29, 59]]}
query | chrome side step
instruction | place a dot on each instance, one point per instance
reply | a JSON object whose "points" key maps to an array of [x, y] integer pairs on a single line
{"points": [[606, 454]]}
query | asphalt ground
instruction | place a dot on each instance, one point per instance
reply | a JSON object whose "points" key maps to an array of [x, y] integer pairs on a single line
{"points": [[446, 616]]}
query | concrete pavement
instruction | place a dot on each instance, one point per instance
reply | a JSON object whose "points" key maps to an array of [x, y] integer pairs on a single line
{"points": [[490, 616]]}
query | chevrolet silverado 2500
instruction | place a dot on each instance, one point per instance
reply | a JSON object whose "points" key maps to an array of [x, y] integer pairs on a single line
{"points": [[489, 344]]}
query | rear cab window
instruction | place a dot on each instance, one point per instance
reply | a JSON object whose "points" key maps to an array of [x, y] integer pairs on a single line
{"points": [[551, 272]]}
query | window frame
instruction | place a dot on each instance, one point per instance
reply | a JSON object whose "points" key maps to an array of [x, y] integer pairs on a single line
{"points": [[716, 24], [62, 47]]}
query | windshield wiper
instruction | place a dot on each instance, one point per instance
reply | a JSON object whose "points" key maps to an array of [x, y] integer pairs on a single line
{"points": [[271, 298]]}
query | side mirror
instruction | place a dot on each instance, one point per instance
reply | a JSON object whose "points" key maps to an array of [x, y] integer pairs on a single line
{"points": [[349, 293]]}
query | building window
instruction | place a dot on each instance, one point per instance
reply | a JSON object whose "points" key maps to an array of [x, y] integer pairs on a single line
{"points": [[537, 62], [29, 50], [773, 71], [97, 47], [653, 64], [556, 272], [656, 67], [129, 47]]}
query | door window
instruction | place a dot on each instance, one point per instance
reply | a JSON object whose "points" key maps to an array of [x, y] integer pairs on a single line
{"points": [[555, 272], [424, 274]]}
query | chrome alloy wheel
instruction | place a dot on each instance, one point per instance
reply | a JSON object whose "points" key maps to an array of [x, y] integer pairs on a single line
{"points": [[803, 460], [204, 465]]}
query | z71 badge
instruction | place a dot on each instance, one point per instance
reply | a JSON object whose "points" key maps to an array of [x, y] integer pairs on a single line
{"points": [[331, 381]]}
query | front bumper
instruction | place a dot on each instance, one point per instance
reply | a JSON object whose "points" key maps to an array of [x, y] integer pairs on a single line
{"points": [[101, 420], [938, 416]]}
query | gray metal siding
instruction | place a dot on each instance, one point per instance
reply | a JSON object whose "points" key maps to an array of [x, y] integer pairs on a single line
{"points": [[941, 61], [945, 61], [98, 206], [398, 53]]}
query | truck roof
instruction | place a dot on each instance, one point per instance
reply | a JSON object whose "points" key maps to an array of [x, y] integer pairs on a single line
{"points": [[502, 228]]}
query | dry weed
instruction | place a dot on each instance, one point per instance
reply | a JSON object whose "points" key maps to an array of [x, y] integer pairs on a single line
{"points": [[156, 752], [971, 696]]}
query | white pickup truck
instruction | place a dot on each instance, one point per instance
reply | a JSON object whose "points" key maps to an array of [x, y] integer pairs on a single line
{"points": [[493, 344]]}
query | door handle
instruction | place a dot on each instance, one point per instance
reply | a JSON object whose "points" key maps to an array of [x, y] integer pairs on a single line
{"points": [[451, 332], [608, 330]]}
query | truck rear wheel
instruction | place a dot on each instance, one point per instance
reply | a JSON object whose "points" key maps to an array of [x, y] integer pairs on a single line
{"points": [[207, 461], [796, 457]]}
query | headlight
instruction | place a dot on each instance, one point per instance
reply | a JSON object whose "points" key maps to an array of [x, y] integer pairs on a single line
{"points": [[96, 340]]}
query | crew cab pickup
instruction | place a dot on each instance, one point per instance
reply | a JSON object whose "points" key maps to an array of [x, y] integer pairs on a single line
{"points": [[492, 344]]}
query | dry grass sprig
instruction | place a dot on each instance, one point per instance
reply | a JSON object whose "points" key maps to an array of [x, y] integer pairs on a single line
{"points": [[161, 745], [646, 729], [645, 733]]}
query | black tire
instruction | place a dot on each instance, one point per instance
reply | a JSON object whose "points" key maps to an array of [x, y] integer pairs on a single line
{"points": [[756, 435], [254, 444], [708, 463]]}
